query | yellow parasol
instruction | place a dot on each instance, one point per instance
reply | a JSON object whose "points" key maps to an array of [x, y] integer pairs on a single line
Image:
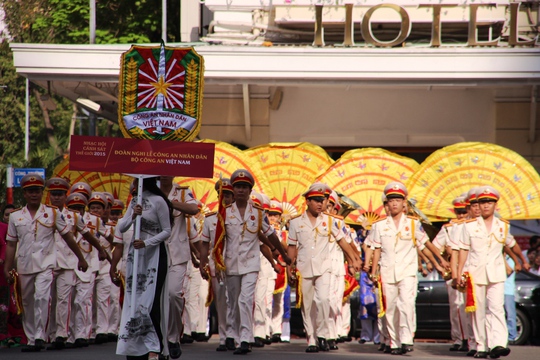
{"points": [[116, 184], [457, 168], [290, 169], [227, 159], [362, 174]]}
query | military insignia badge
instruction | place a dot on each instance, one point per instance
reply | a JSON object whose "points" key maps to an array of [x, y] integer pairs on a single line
{"points": [[160, 93]]}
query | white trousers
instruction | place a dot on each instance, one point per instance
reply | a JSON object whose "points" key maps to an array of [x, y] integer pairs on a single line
{"points": [[220, 301], [115, 310], [35, 293], [176, 284], [277, 314], [195, 295], [80, 321], [102, 299], [489, 323], [61, 293], [316, 307], [401, 310], [458, 317], [262, 314], [241, 294], [345, 318], [381, 322]]}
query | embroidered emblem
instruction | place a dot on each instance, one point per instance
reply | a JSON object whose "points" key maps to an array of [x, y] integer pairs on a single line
{"points": [[45, 215], [323, 224], [252, 217]]}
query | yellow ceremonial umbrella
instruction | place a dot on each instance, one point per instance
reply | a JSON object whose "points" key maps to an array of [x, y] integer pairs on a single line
{"points": [[362, 174], [227, 159], [457, 168], [114, 183], [290, 169]]}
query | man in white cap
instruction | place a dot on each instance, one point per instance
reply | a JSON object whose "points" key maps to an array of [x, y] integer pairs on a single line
{"points": [[66, 263], [31, 234], [244, 224], [482, 242], [395, 242], [311, 237], [183, 203]]}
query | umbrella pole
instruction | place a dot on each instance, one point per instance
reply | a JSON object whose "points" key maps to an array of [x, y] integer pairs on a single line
{"points": [[136, 252]]}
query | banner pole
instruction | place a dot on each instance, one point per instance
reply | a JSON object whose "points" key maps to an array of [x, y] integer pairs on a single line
{"points": [[136, 252], [9, 182]]}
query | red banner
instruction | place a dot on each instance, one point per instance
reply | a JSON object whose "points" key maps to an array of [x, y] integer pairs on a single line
{"points": [[145, 157]]}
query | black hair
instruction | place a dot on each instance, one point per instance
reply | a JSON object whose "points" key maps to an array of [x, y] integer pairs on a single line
{"points": [[7, 206], [533, 240], [150, 184]]}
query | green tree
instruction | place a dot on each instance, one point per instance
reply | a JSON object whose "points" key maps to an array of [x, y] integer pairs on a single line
{"points": [[62, 22]]}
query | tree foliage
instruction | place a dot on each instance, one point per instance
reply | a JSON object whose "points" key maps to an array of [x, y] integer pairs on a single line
{"points": [[62, 22]]}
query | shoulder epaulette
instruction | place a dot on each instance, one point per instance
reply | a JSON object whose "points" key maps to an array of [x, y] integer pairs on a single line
{"points": [[226, 206], [111, 223], [413, 217], [51, 206], [257, 206], [210, 214], [17, 209], [334, 216], [73, 211], [295, 216], [178, 186], [504, 221], [449, 224], [470, 220]]}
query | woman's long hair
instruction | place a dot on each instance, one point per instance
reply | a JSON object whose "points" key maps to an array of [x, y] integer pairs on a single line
{"points": [[150, 184]]}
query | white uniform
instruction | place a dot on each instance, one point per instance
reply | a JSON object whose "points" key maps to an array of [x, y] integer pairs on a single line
{"points": [[179, 255], [103, 286], [80, 321], [64, 276], [488, 273], [381, 319], [35, 263], [337, 285], [314, 260], [262, 314], [458, 317], [196, 288], [399, 265], [243, 264], [218, 286]]}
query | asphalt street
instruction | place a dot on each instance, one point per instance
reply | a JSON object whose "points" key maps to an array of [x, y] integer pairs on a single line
{"points": [[293, 351]]}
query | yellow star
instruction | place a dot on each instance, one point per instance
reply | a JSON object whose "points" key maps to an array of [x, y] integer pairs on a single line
{"points": [[160, 86]]}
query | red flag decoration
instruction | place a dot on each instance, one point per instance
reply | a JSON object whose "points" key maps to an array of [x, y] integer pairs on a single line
{"points": [[470, 305], [219, 242], [281, 280], [351, 285], [210, 295], [299, 297]]}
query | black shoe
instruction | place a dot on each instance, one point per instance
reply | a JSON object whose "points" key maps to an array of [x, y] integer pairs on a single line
{"points": [[276, 338], [454, 347], [464, 346], [258, 342], [200, 337], [221, 347], [40, 344], [267, 341], [175, 351], [79, 343], [242, 349], [387, 349], [58, 344], [30, 348], [382, 347], [163, 357], [396, 351], [90, 341], [312, 349], [347, 338], [481, 355], [362, 341], [340, 340], [229, 343], [112, 337], [406, 348], [323, 344], [471, 353], [101, 339], [332, 344], [186, 339], [499, 351]]}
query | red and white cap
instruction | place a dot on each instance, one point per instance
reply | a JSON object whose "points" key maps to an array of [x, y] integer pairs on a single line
{"points": [[395, 189]]}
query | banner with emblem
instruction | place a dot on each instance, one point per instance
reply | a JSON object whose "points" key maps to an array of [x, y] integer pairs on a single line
{"points": [[160, 93]]}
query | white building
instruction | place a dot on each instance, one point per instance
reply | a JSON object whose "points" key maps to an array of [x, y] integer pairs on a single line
{"points": [[283, 70]]}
